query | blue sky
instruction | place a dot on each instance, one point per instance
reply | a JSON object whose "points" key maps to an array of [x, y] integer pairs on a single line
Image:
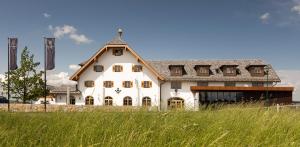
{"points": [[191, 29]]}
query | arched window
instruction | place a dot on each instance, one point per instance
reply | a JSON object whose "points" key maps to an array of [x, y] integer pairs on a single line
{"points": [[146, 102], [89, 100], [72, 100], [176, 103], [108, 101], [127, 101]]}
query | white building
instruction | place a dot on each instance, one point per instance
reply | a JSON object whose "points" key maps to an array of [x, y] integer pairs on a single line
{"points": [[116, 75]]}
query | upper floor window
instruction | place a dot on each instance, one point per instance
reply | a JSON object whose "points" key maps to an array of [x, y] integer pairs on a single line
{"points": [[117, 51], [127, 84], [176, 70], [98, 68], [229, 84], [257, 84], [89, 83], [202, 70], [137, 68], [117, 68], [146, 84], [202, 83], [175, 85], [108, 84]]}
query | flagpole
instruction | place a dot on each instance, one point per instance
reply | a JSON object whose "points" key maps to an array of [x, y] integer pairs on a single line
{"points": [[8, 80], [45, 76]]}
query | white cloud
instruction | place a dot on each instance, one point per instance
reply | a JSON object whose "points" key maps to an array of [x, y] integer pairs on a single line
{"points": [[79, 39], [74, 67], [291, 78], [58, 79], [296, 9], [71, 32], [46, 15], [265, 17]]}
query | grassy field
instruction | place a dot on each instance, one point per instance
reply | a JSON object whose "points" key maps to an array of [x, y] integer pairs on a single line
{"points": [[231, 126]]}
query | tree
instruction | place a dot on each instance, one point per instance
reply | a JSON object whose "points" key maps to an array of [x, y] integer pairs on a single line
{"points": [[26, 82]]}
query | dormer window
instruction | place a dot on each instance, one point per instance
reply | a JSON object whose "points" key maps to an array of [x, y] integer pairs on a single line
{"points": [[229, 70], [256, 70], [117, 51], [202, 70], [176, 70]]}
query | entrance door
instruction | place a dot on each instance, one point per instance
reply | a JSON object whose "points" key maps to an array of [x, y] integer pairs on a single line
{"points": [[176, 103]]}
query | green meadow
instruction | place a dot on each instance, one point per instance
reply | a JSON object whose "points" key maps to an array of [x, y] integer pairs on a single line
{"points": [[225, 126]]}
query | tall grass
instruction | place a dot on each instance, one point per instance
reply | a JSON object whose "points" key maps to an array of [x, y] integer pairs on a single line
{"points": [[230, 126]]}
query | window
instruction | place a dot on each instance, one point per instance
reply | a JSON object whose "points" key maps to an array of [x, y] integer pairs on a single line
{"points": [[89, 100], [137, 68], [108, 101], [257, 71], [176, 70], [89, 83], [257, 84], [175, 85], [202, 70], [117, 51], [118, 68], [146, 84], [127, 101], [98, 68], [202, 83], [229, 84], [72, 100], [229, 71], [127, 84], [146, 101], [108, 84]]}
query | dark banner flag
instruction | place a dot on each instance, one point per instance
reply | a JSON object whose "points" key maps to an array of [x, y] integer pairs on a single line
{"points": [[13, 42], [50, 51]]}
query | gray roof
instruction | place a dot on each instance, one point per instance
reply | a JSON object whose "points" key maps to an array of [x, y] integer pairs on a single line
{"points": [[63, 89], [162, 67]]}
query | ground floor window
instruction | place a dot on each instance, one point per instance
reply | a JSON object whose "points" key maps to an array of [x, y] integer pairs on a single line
{"points": [[127, 101], [176, 103], [89, 100], [108, 101], [146, 102], [72, 100]]}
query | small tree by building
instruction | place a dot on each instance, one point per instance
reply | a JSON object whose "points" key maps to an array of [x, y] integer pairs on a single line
{"points": [[26, 82]]}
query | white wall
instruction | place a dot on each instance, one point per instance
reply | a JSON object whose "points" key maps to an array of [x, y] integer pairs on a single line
{"points": [[190, 99], [61, 99], [126, 60]]}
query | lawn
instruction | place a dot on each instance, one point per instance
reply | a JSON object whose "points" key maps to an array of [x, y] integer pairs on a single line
{"points": [[230, 126]]}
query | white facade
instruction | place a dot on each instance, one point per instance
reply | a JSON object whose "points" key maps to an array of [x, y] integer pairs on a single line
{"points": [[160, 93], [99, 92]]}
